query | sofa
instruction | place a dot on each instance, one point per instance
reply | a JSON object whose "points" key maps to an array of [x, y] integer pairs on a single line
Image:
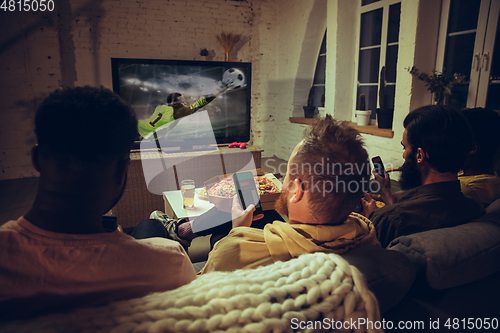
{"points": [[457, 273], [437, 277]]}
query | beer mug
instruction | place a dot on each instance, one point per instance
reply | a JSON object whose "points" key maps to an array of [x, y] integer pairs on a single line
{"points": [[187, 190]]}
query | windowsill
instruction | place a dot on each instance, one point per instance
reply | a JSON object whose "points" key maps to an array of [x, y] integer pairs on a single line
{"points": [[370, 129]]}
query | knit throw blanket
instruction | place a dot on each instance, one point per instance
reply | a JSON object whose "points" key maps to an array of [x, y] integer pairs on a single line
{"points": [[309, 293]]}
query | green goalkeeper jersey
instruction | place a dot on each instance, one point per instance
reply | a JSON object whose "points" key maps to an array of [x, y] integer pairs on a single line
{"points": [[164, 115]]}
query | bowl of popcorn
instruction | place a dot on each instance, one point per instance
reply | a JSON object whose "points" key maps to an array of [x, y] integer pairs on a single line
{"points": [[221, 190]]}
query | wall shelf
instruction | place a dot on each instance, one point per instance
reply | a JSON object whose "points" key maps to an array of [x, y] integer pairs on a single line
{"points": [[370, 129]]}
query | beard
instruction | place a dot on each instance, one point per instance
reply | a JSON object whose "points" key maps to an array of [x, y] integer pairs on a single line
{"points": [[281, 205], [410, 175]]}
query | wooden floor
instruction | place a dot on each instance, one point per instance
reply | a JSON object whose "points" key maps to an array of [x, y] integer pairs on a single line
{"points": [[17, 195]]}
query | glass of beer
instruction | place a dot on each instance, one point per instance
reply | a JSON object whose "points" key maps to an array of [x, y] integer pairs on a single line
{"points": [[187, 190]]}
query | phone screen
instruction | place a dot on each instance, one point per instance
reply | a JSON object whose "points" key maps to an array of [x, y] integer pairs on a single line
{"points": [[379, 166], [247, 191]]}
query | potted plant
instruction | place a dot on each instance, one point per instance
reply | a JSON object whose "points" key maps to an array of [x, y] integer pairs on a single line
{"points": [[385, 115], [362, 116], [309, 109], [438, 83]]}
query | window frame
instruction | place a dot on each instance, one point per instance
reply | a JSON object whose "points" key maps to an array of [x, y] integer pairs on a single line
{"points": [[385, 5]]}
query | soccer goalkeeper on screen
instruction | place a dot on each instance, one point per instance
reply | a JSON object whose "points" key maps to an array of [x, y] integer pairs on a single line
{"points": [[175, 108]]}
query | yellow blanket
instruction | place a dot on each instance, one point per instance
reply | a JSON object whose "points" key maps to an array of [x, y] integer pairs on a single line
{"points": [[246, 247]]}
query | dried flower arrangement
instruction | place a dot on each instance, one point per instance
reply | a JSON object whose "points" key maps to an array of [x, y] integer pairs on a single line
{"points": [[228, 41]]}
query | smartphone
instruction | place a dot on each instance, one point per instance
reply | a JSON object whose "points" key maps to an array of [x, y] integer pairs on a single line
{"points": [[379, 166], [246, 190]]}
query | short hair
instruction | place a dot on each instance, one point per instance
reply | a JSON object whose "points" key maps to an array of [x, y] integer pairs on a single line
{"points": [[85, 124], [337, 188], [485, 124], [172, 98], [443, 133]]}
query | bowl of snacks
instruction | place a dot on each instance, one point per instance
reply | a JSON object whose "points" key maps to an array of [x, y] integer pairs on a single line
{"points": [[221, 190]]}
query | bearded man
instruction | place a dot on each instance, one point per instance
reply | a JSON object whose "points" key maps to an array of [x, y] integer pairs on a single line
{"points": [[436, 141]]}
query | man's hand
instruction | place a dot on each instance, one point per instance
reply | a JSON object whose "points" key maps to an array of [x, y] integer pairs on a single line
{"points": [[243, 218], [384, 187], [369, 205]]}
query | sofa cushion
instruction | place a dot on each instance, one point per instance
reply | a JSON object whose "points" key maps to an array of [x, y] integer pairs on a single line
{"points": [[389, 274], [450, 257]]}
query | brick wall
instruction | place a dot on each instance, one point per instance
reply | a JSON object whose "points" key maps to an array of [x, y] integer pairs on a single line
{"points": [[72, 46]]}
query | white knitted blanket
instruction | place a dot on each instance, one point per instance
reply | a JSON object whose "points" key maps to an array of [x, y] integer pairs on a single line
{"points": [[318, 289]]}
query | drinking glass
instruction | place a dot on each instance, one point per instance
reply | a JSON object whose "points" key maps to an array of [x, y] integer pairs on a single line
{"points": [[187, 190]]}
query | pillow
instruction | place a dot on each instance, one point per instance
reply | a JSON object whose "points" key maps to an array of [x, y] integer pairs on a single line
{"points": [[389, 274], [450, 257]]}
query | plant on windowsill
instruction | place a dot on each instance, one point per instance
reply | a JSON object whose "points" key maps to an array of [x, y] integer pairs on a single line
{"points": [[362, 116], [309, 109], [384, 115], [438, 83]]}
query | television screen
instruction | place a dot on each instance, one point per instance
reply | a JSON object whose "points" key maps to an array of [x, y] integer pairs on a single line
{"points": [[147, 83]]}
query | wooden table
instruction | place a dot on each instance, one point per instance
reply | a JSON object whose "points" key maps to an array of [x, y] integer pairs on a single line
{"points": [[138, 201]]}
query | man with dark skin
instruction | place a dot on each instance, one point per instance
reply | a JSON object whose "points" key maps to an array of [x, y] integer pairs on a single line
{"points": [[59, 254]]}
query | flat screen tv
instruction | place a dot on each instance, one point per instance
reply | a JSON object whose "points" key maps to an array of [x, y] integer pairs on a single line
{"points": [[146, 83]]}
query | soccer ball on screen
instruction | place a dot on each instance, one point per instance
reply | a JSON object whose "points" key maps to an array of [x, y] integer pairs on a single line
{"points": [[234, 78]]}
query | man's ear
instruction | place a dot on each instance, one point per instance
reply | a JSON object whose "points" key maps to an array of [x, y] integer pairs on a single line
{"points": [[297, 190], [122, 170], [421, 155], [35, 158]]}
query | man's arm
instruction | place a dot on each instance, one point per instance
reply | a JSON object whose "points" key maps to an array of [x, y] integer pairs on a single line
{"points": [[385, 188], [187, 110]]}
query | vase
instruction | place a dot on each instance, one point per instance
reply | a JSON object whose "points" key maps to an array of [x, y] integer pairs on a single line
{"points": [[309, 111], [363, 117], [385, 117]]}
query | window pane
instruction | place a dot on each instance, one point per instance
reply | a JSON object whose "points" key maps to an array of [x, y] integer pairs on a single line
{"points": [[458, 98], [319, 93], [369, 61], [371, 28], [323, 45], [463, 15], [495, 62], [493, 100], [391, 61], [367, 2], [394, 15], [319, 76], [370, 97], [458, 54]]}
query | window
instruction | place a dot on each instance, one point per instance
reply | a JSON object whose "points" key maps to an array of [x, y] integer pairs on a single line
{"points": [[319, 76], [378, 46], [469, 44]]}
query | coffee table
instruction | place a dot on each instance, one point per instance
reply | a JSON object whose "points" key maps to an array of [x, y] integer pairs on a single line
{"points": [[174, 209]]}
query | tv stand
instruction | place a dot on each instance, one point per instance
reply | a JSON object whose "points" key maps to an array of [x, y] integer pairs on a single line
{"points": [[138, 202]]}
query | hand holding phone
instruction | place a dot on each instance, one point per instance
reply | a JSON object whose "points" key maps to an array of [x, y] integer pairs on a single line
{"points": [[379, 166], [246, 190]]}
